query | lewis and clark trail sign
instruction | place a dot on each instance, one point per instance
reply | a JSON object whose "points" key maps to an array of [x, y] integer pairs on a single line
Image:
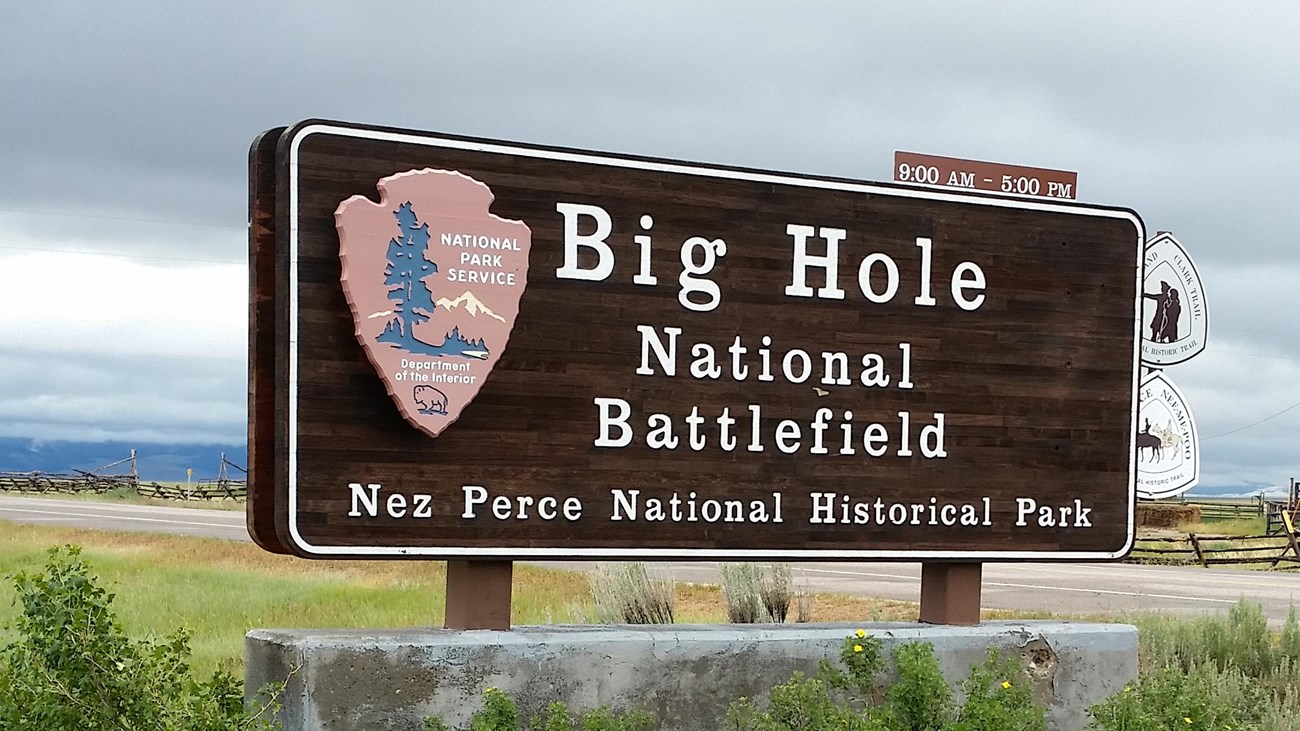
{"points": [[465, 348], [1175, 328]]}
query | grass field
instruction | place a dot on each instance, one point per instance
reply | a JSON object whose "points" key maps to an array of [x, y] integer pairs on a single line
{"points": [[220, 589], [1230, 527]]}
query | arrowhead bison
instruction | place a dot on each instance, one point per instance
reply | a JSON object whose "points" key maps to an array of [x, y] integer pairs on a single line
{"points": [[431, 400]]}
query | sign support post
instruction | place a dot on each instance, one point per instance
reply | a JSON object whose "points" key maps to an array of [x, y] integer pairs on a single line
{"points": [[950, 593], [478, 594]]}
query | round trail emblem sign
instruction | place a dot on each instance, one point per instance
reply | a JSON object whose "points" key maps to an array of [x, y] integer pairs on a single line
{"points": [[1169, 455], [1173, 310], [433, 281]]}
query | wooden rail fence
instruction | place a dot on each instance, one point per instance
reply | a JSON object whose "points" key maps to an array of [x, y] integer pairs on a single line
{"points": [[1277, 551], [1214, 510], [202, 490], [224, 487], [41, 482]]}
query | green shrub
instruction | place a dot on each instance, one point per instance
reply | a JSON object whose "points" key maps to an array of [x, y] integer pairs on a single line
{"points": [[994, 701], [1289, 646], [861, 661], [73, 668], [846, 696], [501, 713], [1212, 672], [603, 719], [801, 704], [1203, 698], [852, 696], [920, 700], [1240, 640]]}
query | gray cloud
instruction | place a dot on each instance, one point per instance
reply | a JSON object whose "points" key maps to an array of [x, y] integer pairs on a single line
{"points": [[126, 127], [122, 397]]}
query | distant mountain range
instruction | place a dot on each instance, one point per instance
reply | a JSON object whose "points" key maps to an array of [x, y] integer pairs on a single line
{"points": [[472, 306], [168, 462], [162, 462], [1271, 492]]}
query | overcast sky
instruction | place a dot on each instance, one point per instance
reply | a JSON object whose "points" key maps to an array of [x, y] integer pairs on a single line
{"points": [[124, 134]]}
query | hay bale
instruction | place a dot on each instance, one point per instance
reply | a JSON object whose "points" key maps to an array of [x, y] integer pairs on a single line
{"points": [[1166, 515]]}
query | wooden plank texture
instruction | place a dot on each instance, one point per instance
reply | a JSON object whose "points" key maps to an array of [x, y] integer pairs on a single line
{"points": [[260, 503]]}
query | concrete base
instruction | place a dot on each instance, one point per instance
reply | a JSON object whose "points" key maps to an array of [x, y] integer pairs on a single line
{"points": [[686, 675]]}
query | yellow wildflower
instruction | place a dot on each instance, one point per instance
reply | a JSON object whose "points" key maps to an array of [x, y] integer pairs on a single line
{"points": [[857, 648], [861, 633], [1006, 684], [1186, 719]]}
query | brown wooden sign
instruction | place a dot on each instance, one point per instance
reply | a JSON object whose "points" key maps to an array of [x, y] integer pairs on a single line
{"points": [[464, 348], [956, 172]]}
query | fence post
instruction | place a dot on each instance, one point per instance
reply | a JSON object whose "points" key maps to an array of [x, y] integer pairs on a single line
{"points": [[1290, 534], [1196, 546]]}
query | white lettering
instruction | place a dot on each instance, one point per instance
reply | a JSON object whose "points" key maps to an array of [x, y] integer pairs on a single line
{"points": [[360, 499], [689, 280], [594, 241], [474, 495], [607, 421], [891, 278], [803, 260], [924, 299], [644, 276], [667, 356], [960, 283], [1024, 507]]}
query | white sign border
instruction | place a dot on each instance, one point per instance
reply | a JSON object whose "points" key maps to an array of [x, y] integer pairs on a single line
{"points": [[308, 129]]}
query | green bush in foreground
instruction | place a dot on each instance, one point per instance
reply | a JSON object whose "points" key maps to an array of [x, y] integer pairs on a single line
{"points": [[72, 667], [1204, 699], [852, 696], [501, 713], [1215, 672], [849, 696]]}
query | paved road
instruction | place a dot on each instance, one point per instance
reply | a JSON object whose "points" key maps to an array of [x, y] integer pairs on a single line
{"points": [[112, 516], [1066, 588]]}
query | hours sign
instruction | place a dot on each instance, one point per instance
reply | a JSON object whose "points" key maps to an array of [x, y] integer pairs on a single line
{"points": [[468, 348]]}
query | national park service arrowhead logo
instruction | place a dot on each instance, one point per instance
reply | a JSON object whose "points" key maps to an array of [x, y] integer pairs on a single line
{"points": [[1168, 449], [1173, 304], [434, 282]]}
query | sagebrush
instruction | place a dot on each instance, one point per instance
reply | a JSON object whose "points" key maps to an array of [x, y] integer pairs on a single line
{"points": [[625, 593], [1213, 672], [758, 594]]}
